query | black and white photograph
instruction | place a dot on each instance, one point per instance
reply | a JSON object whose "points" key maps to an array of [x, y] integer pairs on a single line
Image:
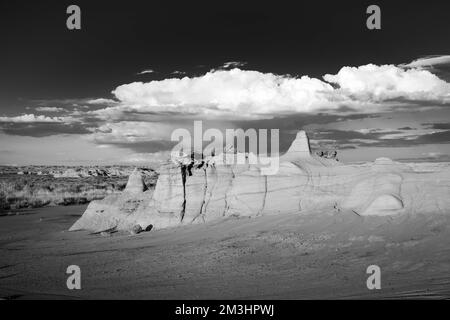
{"points": [[243, 152]]}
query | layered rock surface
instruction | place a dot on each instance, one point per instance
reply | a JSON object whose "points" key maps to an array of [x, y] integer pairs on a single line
{"points": [[200, 191]]}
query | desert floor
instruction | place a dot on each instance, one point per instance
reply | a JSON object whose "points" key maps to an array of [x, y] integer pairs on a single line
{"points": [[310, 256]]}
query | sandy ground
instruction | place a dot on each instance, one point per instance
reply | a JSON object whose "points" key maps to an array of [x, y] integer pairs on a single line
{"points": [[313, 256]]}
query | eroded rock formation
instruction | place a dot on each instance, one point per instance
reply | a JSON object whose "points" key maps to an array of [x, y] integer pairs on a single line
{"points": [[192, 191]]}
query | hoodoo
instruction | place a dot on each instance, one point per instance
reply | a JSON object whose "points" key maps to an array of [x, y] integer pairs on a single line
{"points": [[193, 191], [135, 184], [299, 148]]}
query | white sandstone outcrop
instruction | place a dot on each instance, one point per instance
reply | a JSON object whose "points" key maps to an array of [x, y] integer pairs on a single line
{"points": [[299, 148], [200, 191], [135, 184]]}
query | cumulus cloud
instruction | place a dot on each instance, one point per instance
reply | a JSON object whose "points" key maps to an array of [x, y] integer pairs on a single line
{"points": [[380, 83], [232, 91], [142, 115], [246, 92], [235, 93], [30, 118]]}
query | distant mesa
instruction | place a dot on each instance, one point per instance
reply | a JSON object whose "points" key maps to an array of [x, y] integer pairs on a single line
{"points": [[34, 186], [86, 172]]}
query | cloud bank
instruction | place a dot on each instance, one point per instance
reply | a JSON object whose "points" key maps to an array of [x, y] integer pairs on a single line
{"points": [[227, 91], [142, 115], [131, 132], [50, 109], [245, 92], [30, 118]]}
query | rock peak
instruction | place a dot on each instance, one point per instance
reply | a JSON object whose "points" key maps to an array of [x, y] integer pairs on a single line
{"points": [[300, 146], [135, 182]]}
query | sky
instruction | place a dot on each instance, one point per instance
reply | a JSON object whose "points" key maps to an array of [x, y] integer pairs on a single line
{"points": [[114, 91]]}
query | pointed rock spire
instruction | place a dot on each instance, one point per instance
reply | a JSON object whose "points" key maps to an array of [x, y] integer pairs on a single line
{"points": [[135, 182], [300, 146]]}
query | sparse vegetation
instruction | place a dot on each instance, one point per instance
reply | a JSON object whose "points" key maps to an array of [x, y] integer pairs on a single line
{"points": [[31, 190]]}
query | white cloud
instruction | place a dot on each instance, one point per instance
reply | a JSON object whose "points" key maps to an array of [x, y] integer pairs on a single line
{"points": [[228, 91], [233, 94], [147, 158], [380, 83], [233, 64], [427, 62], [245, 92], [433, 154], [30, 118], [131, 132], [146, 71], [50, 109], [101, 101]]}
